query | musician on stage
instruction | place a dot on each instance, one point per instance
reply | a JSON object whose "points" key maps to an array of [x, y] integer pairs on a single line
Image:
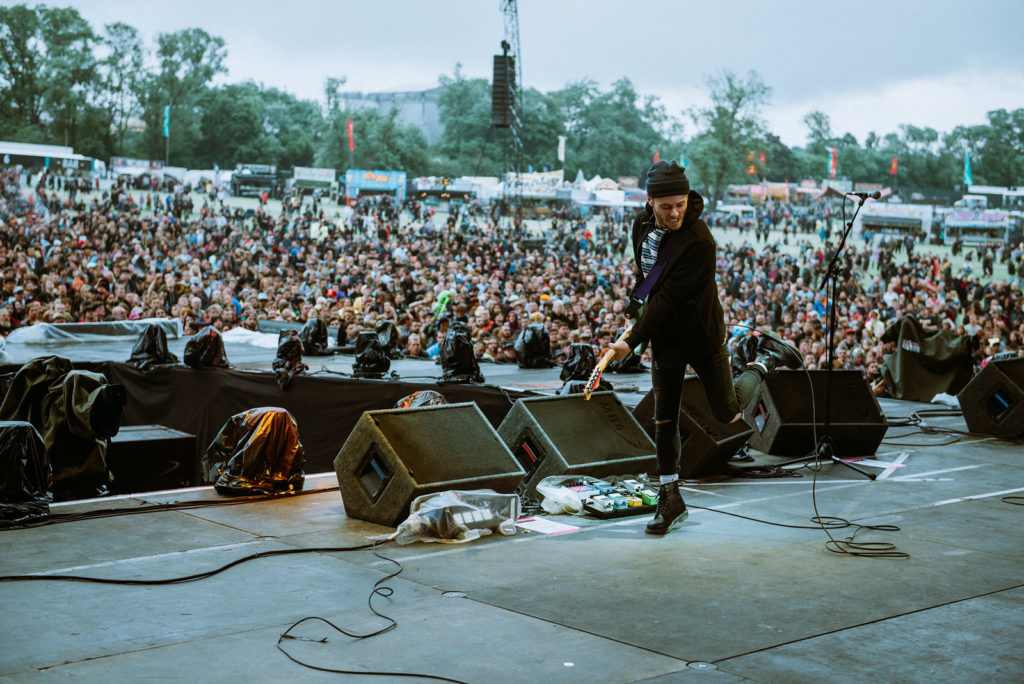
{"points": [[682, 319]]}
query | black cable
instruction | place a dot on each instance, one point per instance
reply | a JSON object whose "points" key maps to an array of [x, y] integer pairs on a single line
{"points": [[186, 578], [379, 589], [1013, 500], [57, 518]]}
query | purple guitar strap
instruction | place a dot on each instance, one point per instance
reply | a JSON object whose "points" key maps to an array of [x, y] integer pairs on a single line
{"points": [[665, 250]]}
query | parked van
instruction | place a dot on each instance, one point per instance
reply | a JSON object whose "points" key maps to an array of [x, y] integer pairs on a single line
{"points": [[741, 215]]}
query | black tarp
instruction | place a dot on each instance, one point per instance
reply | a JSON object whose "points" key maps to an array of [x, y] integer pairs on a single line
{"points": [[325, 406], [205, 349], [458, 362], [26, 480], [151, 348], [258, 451], [74, 412], [925, 364], [314, 338], [533, 347], [288, 362], [372, 360]]}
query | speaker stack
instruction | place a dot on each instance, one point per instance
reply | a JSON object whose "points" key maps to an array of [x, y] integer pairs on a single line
{"points": [[707, 443], [786, 420], [993, 401], [570, 435], [502, 88], [393, 456]]}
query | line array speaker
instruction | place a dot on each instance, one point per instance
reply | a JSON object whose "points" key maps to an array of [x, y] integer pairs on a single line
{"points": [[502, 89]]}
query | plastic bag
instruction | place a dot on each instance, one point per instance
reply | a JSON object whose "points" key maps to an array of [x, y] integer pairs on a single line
{"points": [[256, 452], [457, 359], [421, 398], [557, 497], [458, 516]]}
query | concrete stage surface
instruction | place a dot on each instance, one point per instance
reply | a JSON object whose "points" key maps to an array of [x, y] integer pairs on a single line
{"points": [[719, 599]]}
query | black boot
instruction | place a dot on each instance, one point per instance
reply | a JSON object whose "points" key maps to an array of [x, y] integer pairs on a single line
{"points": [[671, 509], [773, 351]]}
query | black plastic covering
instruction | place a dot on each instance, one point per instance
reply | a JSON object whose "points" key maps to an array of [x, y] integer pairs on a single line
{"points": [[151, 349], [205, 349], [390, 338], [630, 364], [75, 411], [256, 452], [26, 481], [371, 359], [288, 362], [533, 347], [421, 398], [458, 361], [576, 370], [314, 338], [579, 363], [744, 350]]}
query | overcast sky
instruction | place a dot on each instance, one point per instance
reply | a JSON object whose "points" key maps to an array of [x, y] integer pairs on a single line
{"points": [[870, 65]]}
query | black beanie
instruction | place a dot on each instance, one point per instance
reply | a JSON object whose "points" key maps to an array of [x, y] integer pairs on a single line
{"points": [[665, 179]]}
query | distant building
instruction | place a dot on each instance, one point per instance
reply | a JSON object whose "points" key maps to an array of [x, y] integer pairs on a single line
{"points": [[418, 107]]}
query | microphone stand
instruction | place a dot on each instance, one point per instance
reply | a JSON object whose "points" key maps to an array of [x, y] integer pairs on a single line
{"points": [[825, 448]]}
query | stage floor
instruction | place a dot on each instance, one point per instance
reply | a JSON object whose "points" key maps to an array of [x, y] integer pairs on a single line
{"points": [[719, 599]]}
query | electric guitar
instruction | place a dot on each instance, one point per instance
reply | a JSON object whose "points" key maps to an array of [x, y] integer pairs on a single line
{"points": [[595, 375]]}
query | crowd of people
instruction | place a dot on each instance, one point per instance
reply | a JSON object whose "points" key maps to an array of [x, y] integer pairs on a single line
{"points": [[71, 253]]}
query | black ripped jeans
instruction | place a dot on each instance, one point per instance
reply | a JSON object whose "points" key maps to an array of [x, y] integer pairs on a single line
{"points": [[726, 397]]}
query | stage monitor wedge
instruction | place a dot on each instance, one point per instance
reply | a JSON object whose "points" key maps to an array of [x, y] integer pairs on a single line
{"points": [[993, 401], [786, 422], [393, 456], [569, 435], [707, 443]]}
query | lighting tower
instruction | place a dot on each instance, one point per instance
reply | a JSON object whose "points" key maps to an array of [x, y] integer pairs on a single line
{"points": [[510, 45]]}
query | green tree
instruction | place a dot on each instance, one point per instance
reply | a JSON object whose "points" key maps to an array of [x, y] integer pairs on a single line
{"points": [[187, 62], [729, 128], [468, 145], [120, 71], [380, 143]]}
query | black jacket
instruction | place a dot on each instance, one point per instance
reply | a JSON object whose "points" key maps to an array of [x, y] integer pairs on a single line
{"points": [[683, 316]]}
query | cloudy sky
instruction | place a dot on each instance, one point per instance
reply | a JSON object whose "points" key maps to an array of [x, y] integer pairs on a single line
{"points": [[870, 65]]}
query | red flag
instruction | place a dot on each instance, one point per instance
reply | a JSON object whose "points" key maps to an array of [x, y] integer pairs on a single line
{"points": [[832, 164], [761, 158], [351, 139], [892, 167], [657, 156]]}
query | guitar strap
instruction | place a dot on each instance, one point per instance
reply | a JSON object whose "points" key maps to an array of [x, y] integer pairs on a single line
{"points": [[666, 249]]}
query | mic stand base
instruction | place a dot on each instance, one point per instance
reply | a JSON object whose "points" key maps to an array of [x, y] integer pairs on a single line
{"points": [[825, 452]]}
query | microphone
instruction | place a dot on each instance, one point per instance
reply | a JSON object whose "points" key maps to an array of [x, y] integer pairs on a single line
{"points": [[865, 195]]}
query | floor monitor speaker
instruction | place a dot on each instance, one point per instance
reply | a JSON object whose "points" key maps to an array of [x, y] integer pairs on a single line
{"points": [[993, 401], [570, 435], [708, 443], [393, 456], [786, 421]]}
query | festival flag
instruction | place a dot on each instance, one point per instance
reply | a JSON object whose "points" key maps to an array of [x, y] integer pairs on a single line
{"points": [[832, 163], [968, 176], [351, 136], [167, 121], [657, 156], [893, 167], [561, 148]]}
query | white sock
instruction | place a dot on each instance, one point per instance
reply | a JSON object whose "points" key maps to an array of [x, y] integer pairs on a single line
{"points": [[665, 479]]}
